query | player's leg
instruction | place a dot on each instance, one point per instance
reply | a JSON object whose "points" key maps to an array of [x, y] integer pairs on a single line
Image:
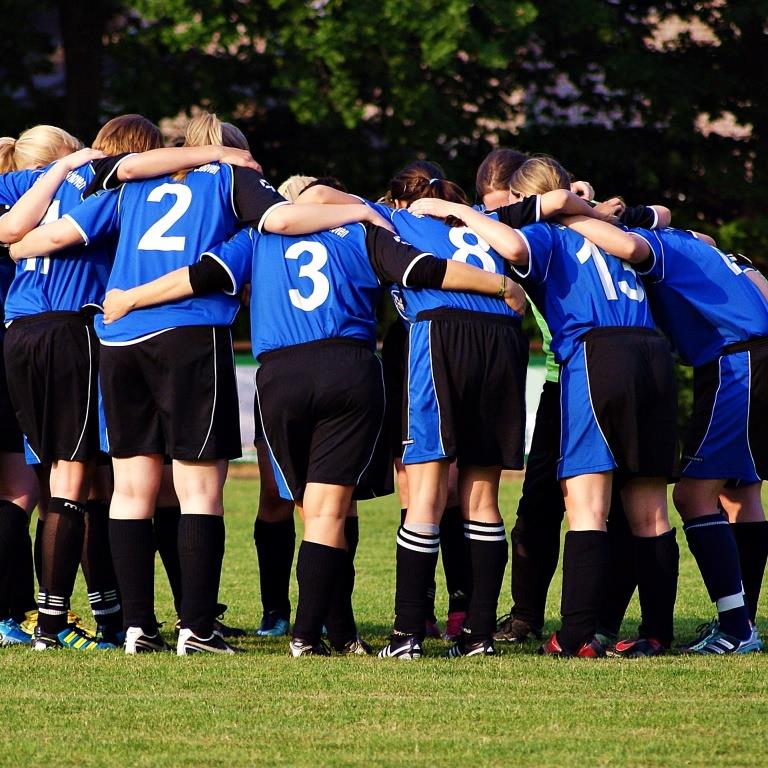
{"points": [[453, 551], [744, 507], [166, 526]]}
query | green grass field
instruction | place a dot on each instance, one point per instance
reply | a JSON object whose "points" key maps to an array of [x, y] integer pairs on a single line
{"points": [[106, 709]]}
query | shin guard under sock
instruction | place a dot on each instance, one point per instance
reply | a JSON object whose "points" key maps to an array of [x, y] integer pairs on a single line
{"points": [[656, 560], [417, 548], [752, 543], [133, 555], [275, 544]]}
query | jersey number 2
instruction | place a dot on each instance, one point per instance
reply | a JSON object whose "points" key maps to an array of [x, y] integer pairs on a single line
{"points": [[320, 285], [155, 239]]}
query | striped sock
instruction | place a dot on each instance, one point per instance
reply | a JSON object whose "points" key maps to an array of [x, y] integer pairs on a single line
{"points": [[417, 548], [488, 555]]}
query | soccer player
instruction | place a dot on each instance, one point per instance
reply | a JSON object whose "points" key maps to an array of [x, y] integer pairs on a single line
{"points": [[714, 309], [600, 321], [169, 221]]}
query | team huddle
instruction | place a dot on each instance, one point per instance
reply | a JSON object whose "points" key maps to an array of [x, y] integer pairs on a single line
{"points": [[125, 269]]}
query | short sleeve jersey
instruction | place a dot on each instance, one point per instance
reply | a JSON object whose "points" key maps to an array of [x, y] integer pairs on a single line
{"points": [[69, 280], [314, 287], [701, 298], [450, 243], [163, 225], [578, 287]]}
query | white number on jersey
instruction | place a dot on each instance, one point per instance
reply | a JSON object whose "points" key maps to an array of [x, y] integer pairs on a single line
{"points": [[591, 250], [320, 285], [45, 261], [458, 236], [154, 238]]}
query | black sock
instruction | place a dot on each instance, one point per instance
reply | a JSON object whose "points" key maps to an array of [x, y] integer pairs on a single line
{"points": [[585, 566], [13, 523], [752, 543], [166, 522], [711, 542], [21, 586], [201, 552], [275, 544], [622, 580], [96, 561], [488, 553], [340, 621], [656, 565], [61, 548], [416, 562], [455, 557], [431, 587], [38, 549], [133, 554], [318, 571]]}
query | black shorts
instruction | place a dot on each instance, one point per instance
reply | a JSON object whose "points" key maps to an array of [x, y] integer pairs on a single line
{"points": [[466, 389], [394, 353], [11, 440], [51, 364], [619, 406], [174, 393], [322, 409]]}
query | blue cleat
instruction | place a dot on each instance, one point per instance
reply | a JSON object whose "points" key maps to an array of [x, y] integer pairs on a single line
{"points": [[720, 644], [12, 633], [71, 637], [272, 625]]}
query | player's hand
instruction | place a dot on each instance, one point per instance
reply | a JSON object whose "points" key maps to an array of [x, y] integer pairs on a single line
{"points": [[241, 157], [81, 157], [583, 189], [609, 210], [374, 217], [117, 304], [433, 206], [514, 297]]}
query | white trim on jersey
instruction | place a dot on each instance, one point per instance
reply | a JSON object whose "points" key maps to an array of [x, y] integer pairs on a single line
{"points": [[114, 168], [527, 272], [411, 266], [263, 219], [88, 401], [137, 340], [225, 268], [652, 258], [77, 227], [215, 392], [538, 208]]}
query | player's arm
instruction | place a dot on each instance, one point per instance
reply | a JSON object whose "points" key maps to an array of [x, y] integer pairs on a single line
{"points": [[624, 245], [564, 202], [503, 239], [646, 216], [26, 214], [47, 239], [395, 261], [322, 194]]}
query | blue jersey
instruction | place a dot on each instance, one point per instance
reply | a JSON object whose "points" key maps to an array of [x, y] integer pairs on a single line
{"points": [[701, 298], [578, 287], [456, 243], [163, 225], [71, 279], [312, 287]]}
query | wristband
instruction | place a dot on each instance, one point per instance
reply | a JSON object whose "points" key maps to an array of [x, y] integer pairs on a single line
{"points": [[503, 287]]}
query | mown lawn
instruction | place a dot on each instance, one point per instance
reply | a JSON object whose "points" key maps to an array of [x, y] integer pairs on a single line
{"points": [[106, 709]]}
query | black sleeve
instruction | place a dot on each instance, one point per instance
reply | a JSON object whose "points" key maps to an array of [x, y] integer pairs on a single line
{"points": [[516, 215], [395, 261], [105, 177], [209, 276], [255, 197], [639, 216]]}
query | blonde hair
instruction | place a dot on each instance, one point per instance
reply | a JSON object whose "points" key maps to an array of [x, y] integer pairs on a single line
{"points": [[128, 133], [293, 186], [36, 147], [206, 130], [538, 175]]}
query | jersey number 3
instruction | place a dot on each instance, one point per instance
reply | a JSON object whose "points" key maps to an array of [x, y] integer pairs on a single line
{"points": [[320, 285]]}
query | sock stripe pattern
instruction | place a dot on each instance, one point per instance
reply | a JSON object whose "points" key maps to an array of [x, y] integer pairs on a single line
{"points": [[418, 542], [104, 603], [52, 605], [484, 531], [488, 553]]}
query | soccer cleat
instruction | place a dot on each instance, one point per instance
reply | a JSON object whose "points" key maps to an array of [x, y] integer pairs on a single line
{"points": [[137, 641], [30, 621], [704, 632], [405, 647], [356, 647], [454, 625], [594, 649], [637, 648], [432, 629], [720, 644], [465, 646], [220, 628], [510, 629], [272, 625], [71, 637], [298, 647], [12, 633], [189, 643], [108, 634]]}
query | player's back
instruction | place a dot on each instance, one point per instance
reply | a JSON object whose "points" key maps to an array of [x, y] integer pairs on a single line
{"points": [[449, 243], [312, 287], [70, 280], [700, 297], [578, 287]]}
